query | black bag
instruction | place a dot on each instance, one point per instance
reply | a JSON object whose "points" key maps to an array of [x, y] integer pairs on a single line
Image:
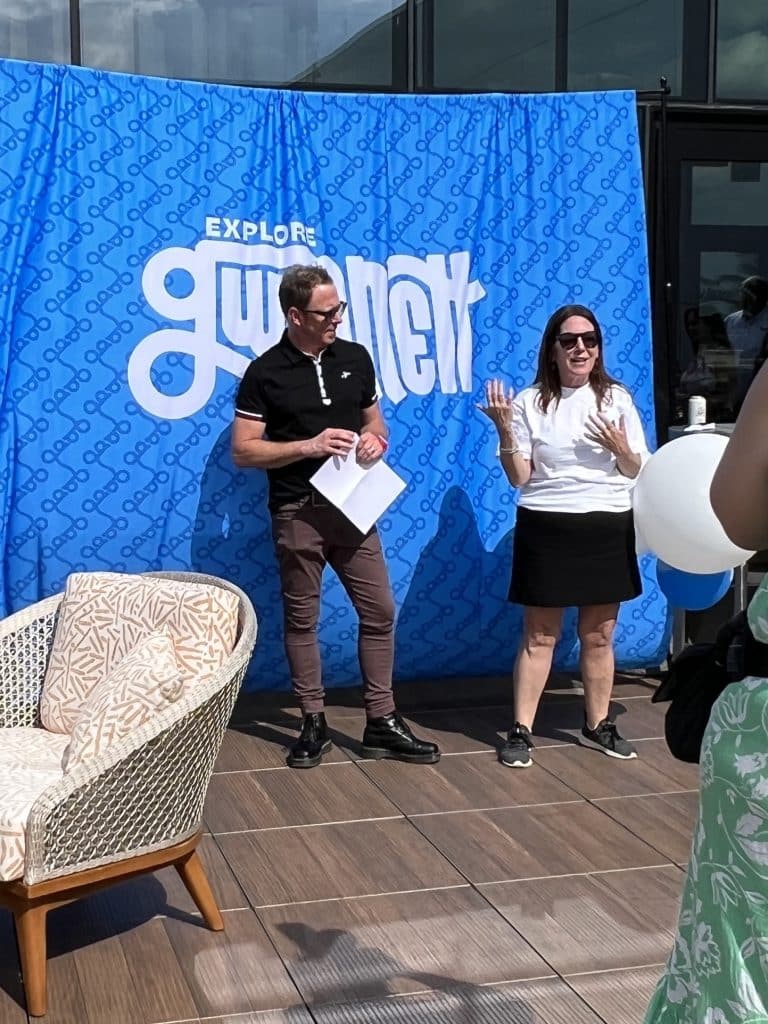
{"points": [[697, 677]]}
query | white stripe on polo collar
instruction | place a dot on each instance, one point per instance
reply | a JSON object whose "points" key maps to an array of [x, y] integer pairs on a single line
{"points": [[317, 360]]}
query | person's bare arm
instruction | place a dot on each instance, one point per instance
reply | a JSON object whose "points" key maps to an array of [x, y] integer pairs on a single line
{"points": [[498, 408], [251, 450], [739, 491], [373, 421]]}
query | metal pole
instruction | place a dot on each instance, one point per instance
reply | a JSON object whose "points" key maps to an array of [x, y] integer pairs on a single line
{"points": [[75, 44]]}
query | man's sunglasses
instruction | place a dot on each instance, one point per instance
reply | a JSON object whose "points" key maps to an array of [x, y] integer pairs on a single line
{"points": [[569, 341], [329, 314]]}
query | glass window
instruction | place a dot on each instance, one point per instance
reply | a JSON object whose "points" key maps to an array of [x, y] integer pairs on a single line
{"points": [[490, 44], [742, 50], [722, 315], [615, 45], [268, 42], [35, 30], [733, 193]]}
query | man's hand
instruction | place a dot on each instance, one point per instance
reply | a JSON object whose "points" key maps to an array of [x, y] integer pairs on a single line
{"points": [[369, 449], [330, 442]]}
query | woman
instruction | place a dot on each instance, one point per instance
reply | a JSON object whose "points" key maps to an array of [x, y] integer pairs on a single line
{"points": [[717, 973], [573, 443]]}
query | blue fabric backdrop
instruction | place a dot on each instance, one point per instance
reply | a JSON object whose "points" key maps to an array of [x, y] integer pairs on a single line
{"points": [[144, 226]]}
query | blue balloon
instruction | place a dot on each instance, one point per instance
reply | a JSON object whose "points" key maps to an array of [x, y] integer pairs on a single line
{"points": [[692, 591]]}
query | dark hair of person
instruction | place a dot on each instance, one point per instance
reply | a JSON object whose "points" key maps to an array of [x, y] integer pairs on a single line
{"points": [[297, 284], [756, 288], [548, 376]]}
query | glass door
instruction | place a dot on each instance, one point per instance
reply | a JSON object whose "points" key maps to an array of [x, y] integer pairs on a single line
{"points": [[717, 252], [710, 282]]}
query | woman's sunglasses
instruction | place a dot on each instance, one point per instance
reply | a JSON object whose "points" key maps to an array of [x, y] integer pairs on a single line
{"points": [[569, 341]]}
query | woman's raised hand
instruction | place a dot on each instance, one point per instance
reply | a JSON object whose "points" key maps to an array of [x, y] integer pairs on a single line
{"points": [[498, 404], [609, 435]]}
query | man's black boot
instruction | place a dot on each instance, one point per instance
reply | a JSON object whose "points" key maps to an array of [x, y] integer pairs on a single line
{"points": [[390, 737], [311, 744]]}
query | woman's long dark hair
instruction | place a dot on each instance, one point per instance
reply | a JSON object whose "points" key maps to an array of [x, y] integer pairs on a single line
{"points": [[548, 376]]}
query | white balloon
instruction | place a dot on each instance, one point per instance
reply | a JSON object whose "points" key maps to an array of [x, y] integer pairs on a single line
{"points": [[673, 513], [641, 544]]}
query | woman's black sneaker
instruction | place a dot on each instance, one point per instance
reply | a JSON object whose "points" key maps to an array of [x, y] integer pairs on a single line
{"points": [[516, 752], [605, 736]]}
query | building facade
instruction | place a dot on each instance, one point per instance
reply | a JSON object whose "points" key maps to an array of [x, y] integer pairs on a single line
{"points": [[704, 136]]}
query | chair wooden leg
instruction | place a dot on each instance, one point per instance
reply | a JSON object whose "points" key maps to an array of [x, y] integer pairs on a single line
{"points": [[193, 875], [30, 932]]}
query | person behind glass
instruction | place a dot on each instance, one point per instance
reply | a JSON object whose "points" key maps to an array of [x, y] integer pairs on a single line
{"points": [[305, 399], [747, 329], [573, 444]]}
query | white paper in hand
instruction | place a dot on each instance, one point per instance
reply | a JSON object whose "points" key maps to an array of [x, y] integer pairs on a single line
{"points": [[362, 493]]}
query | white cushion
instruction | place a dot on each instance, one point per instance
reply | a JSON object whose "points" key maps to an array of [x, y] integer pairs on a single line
{"points": [[19, 789], [104, 615], [27, 747], [144, 683], [30, 762]]}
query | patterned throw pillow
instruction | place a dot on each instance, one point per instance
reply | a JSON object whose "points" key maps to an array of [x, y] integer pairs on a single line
{"points": [[104, 615], [144, 683]]}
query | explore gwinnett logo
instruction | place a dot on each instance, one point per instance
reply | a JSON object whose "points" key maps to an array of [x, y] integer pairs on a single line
{"points": [[411, 313]]}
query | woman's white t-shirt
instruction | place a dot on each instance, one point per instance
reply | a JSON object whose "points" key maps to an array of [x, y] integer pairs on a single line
{"points": [[568, 472]]}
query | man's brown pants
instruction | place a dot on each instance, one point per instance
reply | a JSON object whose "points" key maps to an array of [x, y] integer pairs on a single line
{"points": [[308, 535]]}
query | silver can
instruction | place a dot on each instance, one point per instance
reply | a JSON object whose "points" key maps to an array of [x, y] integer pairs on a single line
{"points": [[697, 410]]}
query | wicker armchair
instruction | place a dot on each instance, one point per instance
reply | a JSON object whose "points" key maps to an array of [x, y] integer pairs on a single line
{"points": [[133, 810]]}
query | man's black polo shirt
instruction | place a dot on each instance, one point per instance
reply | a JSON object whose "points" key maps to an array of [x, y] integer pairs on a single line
{"points": [[298, 397]]}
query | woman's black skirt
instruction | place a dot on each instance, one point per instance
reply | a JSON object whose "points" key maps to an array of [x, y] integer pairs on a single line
{"points": [[572, 559]]}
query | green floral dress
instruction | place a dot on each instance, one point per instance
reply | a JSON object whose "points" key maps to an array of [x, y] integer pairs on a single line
{"points": [[718, 970]]}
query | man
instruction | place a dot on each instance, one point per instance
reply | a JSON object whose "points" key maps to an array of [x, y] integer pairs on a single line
{"points": [[747, 330], [304, 399]]}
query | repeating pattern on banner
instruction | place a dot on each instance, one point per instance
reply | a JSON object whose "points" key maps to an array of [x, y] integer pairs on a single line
{"points": [[145, 224]]}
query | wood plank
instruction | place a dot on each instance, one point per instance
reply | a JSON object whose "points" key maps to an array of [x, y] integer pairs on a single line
{"points": [[361, 949], [569, 920], [528, 1002], [596, 776], [241, 801], [533, 842], [330, 861], [234, 971], [619, 997], [464, 782], [664, 822]]}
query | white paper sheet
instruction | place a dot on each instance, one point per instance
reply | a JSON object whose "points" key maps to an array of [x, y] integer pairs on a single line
{"points": [[362, 493]]}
